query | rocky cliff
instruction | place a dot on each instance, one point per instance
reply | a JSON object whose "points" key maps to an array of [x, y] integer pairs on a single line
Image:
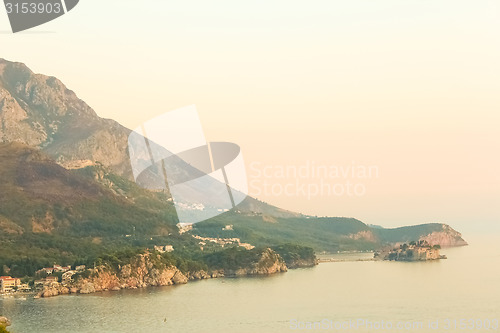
{"points": [[4, 321], [42, 112], [446, 237], [269, 262], [142, 272], [145, 270]]}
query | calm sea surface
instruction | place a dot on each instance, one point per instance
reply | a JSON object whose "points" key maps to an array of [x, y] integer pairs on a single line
{"points": [[407, 296]]}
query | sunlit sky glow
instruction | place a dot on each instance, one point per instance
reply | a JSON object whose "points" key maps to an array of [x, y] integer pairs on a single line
{"points": [[411, 87]]}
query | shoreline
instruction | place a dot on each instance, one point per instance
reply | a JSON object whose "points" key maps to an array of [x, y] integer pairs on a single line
{"points": [[39, 294], [327, 260], [144, 270], [18, 294]]}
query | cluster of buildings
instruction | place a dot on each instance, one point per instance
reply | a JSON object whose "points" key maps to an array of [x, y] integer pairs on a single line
{"points": [[184, 227], [222, 242], [9, 284], [54, 269], [164, 248], [52, 279]]}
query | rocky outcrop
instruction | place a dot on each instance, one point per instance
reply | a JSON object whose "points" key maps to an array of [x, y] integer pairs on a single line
{"points": [[4, 321], [86, 288], [199, 275], [447, 237], [142, 272], [296, 256], [269, 263], [147, 269], [433, 233], [203, 275], [53, 289]]}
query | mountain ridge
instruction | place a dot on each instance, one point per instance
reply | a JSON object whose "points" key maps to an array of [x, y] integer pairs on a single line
{"points": [[41, 111], [65, 173]]}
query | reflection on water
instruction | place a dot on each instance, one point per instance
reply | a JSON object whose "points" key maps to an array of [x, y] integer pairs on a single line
{"points": [[463, 286]]}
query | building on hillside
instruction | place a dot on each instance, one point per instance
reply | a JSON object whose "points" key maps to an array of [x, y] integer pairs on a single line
{"points": [[51, 279], [61, 269], [54, 269], [23, 287], [39, 284], [8, 283], [48, 270], [67, 276], [164, 248]]}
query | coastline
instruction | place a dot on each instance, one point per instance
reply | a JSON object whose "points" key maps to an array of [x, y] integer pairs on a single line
{"points": [[325, 260], [145, 270], [40, 294], [148, 269]]}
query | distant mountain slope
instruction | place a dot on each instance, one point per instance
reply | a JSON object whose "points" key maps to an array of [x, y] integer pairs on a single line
{"points": [[39, 196], [433, 233], [328, 234]]}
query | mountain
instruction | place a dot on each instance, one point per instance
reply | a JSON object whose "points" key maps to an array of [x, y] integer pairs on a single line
{"points": [[328, 234], [66, 190], [41, 112], [40, 196]]}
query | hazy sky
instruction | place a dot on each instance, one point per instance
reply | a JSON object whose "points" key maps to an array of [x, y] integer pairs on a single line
{"points": [[409, 87]]}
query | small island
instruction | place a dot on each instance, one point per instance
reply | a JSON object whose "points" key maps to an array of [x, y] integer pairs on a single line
{"points": [[413, 251]]}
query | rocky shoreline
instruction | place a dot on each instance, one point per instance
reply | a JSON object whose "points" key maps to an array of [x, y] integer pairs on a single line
{"points": [[4, 321], [146, 270]]}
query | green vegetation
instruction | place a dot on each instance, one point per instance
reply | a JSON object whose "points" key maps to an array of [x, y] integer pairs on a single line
{"points": [[230, 258], [406, 234], [233, 258], [296, 255], [321, 234], [50, 215]]}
